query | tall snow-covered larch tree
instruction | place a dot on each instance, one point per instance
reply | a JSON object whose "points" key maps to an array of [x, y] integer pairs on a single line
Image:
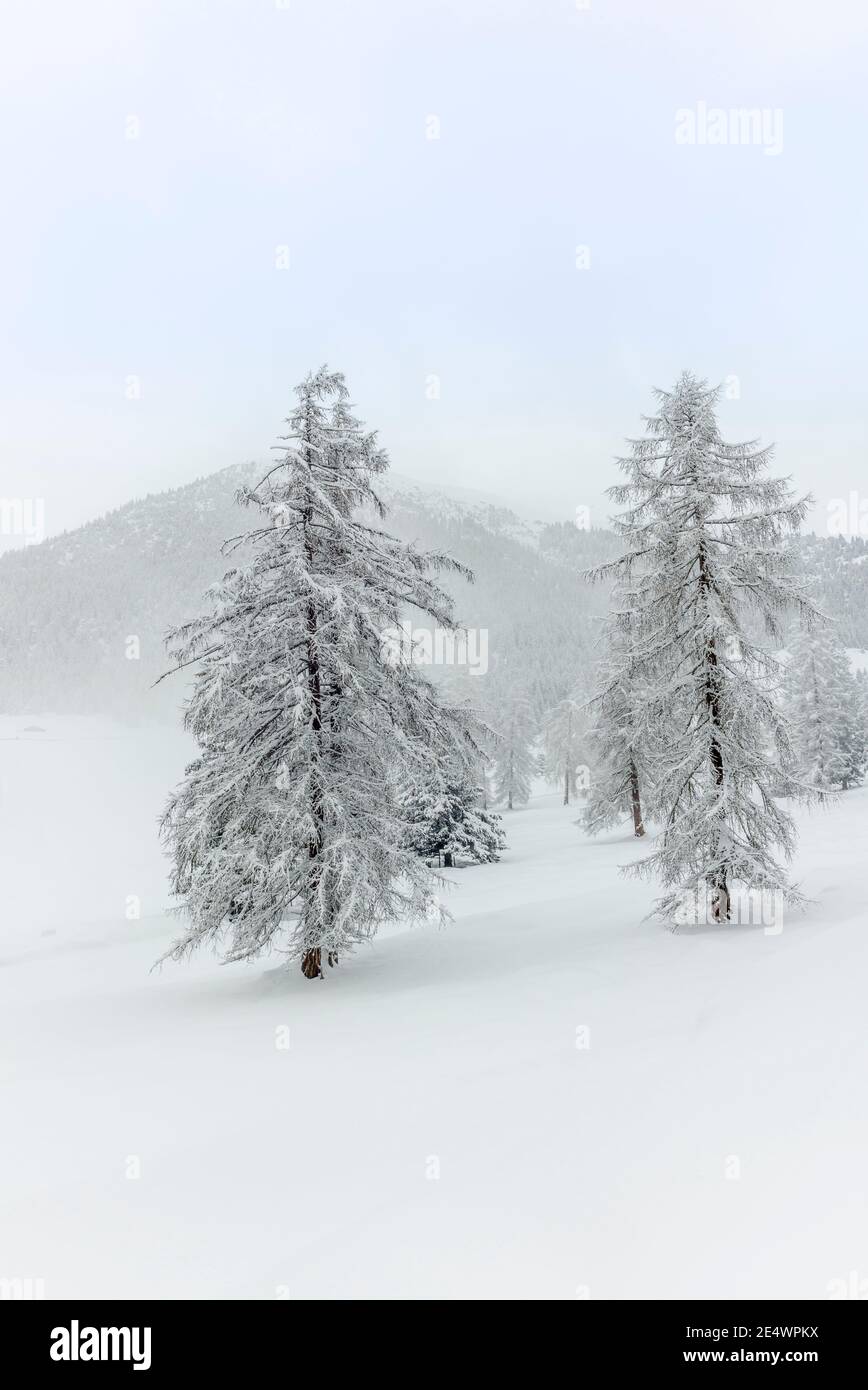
{"points": [[703, 531], [286, 830]]}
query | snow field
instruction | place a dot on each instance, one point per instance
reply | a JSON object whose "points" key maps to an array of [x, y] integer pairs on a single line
{"points": [[550, 1098]]}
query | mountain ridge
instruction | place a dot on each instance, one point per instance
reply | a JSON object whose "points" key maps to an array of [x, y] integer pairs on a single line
{"points": [[83, 615]]}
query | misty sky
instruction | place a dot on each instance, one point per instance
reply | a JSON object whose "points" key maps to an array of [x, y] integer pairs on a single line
{"points": [[158, 158]]}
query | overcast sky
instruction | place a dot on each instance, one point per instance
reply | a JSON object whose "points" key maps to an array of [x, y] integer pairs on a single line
{"points": [[163, 161]]}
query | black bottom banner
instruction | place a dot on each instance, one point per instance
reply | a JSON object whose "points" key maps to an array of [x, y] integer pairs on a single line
{"points": [[162, 1339]]}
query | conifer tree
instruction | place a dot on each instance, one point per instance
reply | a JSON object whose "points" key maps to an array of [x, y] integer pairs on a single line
{"points": [[703, 532], [620, 735], [514, 760], [286, 829], [824, 701], [447, 821], [564, 734]]}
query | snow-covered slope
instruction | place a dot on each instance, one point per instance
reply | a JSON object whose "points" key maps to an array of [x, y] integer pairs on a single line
{"points": [[550, 1098]]}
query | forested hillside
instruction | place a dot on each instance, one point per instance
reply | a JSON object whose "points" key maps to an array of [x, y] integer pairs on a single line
{"points": [[835, 567], [84, 614]]}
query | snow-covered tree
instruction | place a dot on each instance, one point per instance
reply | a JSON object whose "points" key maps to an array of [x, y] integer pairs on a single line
{"points": [[620, 735], [862, 698], [824, 701], [564, 741], [514, 759], [703, 532], [448, 821], [287, 830]]}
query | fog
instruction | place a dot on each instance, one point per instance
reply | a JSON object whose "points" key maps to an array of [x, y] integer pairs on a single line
{"points": [[506, 223]]}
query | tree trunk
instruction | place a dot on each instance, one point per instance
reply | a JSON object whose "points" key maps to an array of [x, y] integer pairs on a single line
{"points": [[311, 963], [720, 900], [635, 803], [447, 861], [567, 786]]}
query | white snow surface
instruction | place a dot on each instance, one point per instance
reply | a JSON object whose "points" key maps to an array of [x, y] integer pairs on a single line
{"points": [[433, 1130]]}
